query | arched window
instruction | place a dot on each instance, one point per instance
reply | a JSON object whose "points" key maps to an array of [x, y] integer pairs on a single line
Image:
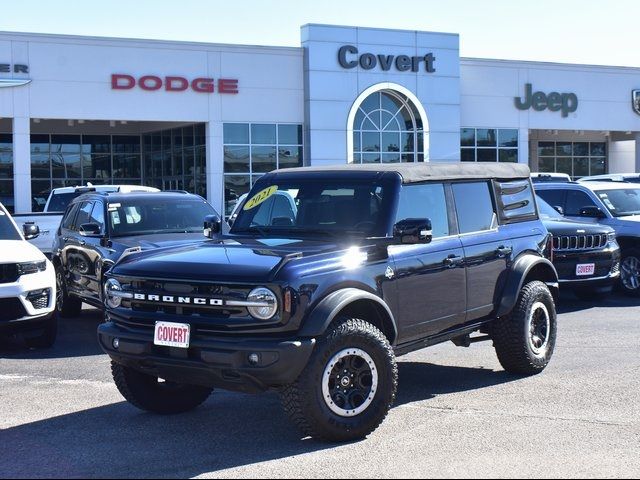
{"points": [[387, 128]]}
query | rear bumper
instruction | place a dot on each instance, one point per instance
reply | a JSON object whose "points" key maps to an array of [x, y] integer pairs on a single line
{"points": [[216, 362]]}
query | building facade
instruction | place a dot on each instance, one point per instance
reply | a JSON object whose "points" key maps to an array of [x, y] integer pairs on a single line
{"points": [[212, 118]]}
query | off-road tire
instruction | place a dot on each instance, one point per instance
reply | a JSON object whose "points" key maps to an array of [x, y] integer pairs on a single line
{"points": [[627, 254], [146, 393], [67, 306], [304, 400], [48, 337], [512, 337]]}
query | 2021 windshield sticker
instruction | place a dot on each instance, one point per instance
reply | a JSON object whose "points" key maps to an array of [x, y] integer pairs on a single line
{"points": [[261, 197]]}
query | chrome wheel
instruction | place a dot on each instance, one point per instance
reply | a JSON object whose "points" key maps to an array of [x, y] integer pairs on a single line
{"points": [[630, 273], [349, 382], [539, 328]]}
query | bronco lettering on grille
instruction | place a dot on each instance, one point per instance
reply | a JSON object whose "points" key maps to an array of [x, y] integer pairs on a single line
{"points": [[212, 302]]}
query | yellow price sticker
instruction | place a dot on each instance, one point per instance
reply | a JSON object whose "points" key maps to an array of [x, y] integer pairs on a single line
{"points": [[260, 197]]}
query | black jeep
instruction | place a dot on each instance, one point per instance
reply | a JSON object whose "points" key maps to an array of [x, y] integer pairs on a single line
{"points": [[315, 297]]}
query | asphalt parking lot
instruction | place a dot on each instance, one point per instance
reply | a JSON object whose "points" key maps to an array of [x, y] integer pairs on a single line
{"points": [[457, 415]]}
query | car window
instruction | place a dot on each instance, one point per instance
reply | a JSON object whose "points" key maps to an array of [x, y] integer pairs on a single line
{"points": [[97, 215], [576, 201], [425, 201], [7, 230], [60, 201], [555, 198], [84, 214], [474, 207], [69, 217]]}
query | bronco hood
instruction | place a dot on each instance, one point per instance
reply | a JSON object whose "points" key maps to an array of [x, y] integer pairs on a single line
{"points": [[230, 260]]}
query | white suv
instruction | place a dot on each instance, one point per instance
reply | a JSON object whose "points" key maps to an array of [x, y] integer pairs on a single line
{"points": [[27, 286]]}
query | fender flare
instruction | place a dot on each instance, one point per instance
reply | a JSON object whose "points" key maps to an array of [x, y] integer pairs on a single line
{"points": [[520, 270], [317, 322]]}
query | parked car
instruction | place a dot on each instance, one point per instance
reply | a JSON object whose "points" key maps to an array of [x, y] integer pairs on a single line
{"points": [[48, 221], [27, 286], [586, 255], [608, 203], [376, 261], [98, 228], [550, 177], [617, 177]]}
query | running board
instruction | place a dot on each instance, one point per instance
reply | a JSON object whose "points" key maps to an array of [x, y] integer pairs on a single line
{"points": [[441, 338]]}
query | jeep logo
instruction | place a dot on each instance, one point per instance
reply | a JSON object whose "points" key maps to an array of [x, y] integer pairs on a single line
{"points": [[211, 302], [556, 102]]}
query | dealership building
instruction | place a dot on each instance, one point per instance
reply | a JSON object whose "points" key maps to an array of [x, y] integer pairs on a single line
{"points": [[212, 118]]}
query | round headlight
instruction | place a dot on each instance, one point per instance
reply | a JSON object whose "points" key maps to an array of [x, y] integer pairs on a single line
{"points": [[266, 303], [112, 293]]}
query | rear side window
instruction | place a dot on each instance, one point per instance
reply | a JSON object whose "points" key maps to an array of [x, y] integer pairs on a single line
{"points": [[97, 215], [474, 207], [515, 201], [71, 214], [425, 201], [555, 198], [576, 201]]}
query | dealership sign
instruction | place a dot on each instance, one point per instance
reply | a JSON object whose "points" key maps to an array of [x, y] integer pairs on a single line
{"points": [[151, 83], [555, 102], [13, 82], [350, 57]]}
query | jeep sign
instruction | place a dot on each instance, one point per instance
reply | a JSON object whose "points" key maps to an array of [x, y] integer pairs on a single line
{"points": [[556, 102]]}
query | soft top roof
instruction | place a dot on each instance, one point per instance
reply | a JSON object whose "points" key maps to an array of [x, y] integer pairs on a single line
{"points": [[422, 172]]}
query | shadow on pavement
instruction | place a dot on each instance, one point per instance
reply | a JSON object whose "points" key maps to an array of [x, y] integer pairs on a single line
{"points": [[230, 430], [77, 337], [569, 303]]}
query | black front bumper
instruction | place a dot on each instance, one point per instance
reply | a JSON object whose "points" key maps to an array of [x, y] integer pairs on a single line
{"points": [[607, 269], [211, 362]]}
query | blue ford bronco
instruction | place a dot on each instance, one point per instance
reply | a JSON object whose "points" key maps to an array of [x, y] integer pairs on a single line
{"points": [[315, 291]]}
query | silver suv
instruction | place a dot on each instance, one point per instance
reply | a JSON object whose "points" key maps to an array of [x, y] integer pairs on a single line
{"points": [[609, 203]]}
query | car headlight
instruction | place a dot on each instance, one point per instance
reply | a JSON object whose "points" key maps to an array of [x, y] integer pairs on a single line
{"points": [[262, 303], [114, 293], [31, 267]]}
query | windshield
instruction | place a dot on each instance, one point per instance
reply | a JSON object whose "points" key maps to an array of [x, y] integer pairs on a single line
{"points": [[547, 212], [622, 202], [7, 230], [150, 216], [60, 201], [306, 206]]}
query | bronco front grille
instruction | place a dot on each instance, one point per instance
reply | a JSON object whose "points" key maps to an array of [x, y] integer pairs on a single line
{"points": [[580, 242]]}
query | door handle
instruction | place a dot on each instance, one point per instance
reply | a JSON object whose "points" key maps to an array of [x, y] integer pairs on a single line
{"points": [[453, 261], [504, 252]]}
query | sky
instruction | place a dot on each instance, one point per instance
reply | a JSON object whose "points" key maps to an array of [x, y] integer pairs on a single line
{"points": [[604, 32]]}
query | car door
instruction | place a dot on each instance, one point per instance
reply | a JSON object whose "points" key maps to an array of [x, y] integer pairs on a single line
{"points": [[426, 274], [77, 262], [487, 250], [91, 251]]}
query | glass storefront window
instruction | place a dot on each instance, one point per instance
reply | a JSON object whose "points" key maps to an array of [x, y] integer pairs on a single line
{"points": [[489, 145], [251, 150], [576, 159]]}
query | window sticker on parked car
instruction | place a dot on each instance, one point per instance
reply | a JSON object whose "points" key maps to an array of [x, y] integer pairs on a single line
{"points": [[261, 197], [605, 198], [115, 217]]}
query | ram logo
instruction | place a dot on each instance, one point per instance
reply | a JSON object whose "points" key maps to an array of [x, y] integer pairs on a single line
{"points": [[635, 98]]}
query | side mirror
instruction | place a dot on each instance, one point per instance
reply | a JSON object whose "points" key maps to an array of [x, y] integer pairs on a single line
{"points": [[212, 226], [413, 231], [90, 230], [559, 209], [31, 231], [592, 212]]}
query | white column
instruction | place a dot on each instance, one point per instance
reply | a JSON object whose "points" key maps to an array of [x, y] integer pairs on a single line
{"points": [[637, 137], [215, 166], [22, 164], [523, 146]]}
